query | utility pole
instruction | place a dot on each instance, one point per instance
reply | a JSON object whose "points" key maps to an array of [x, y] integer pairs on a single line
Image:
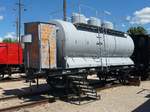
{"points": [[64, 10], [19, 22], [18, 25], [17, 28]]}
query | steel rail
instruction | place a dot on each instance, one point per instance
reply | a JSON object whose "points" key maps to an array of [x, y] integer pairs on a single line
{"points": [[27, 105]]}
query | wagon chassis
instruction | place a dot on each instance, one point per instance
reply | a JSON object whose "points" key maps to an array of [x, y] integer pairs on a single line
{"points": [[65, 78]]}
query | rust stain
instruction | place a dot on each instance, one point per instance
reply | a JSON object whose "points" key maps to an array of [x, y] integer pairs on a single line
{"points": [[48, 44]]}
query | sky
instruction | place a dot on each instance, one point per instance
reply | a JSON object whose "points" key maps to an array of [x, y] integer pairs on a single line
{"points": [[123, 13]]}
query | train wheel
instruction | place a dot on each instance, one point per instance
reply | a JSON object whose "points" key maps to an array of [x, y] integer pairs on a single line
{"points": [[1, 76], [50, 82], [100, 78], [124, 79], [9, 72]]}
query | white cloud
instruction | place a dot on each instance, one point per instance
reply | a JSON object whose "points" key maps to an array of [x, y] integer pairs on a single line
{"points": [[141, 16], [10, 35], [107, 12], [1, 17], [123, 25], [128, 18]]}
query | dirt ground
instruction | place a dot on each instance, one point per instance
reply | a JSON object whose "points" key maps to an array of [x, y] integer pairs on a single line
{"points": [[118, 99]]}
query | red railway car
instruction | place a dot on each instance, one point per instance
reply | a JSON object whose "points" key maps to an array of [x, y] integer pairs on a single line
{"points": [[11, 58]]}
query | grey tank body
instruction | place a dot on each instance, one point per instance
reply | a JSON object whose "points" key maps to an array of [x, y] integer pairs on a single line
{"points": [[78, 48]]}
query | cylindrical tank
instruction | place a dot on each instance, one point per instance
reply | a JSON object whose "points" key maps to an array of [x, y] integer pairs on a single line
{"points": [[79, 43], [94, 21], [78, 18], [108, 24]]}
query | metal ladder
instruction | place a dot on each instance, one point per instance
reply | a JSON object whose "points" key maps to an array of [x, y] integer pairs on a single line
{"points": [[100, 48]]}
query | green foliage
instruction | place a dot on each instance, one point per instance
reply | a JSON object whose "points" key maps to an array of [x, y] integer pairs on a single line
{"points": [[9, 40], [137, 31]]}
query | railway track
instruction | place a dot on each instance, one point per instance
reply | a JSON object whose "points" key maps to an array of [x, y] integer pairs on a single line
{"points": [[40, 101], [31, 104], [28, 104], [8, 79], [11, 80], [22, 95]]}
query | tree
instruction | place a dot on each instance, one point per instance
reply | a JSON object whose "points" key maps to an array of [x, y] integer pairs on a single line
{"points": [[9, 40], [137, 31]]}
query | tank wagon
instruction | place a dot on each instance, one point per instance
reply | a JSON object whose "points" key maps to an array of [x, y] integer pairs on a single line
{"points": [[61, 47], [141, 55], [11, 58], [66, 53]]}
